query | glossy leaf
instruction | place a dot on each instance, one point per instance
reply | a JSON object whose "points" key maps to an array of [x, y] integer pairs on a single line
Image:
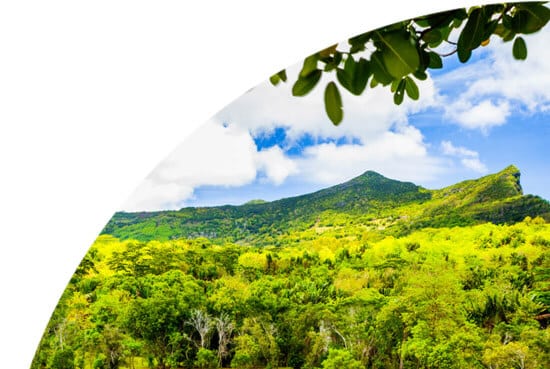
{"points": [[530, 18], [394, 84], [278, 77], [333, 103], [275, 79], [399, 55], [399, 93], [379, 70], [420, 75], [519, 49], [310, 65], [360, 77], [432, 36], [411, 88], [343, 78], [435, 61], [472, 34], [328, 51], [304, 85]]}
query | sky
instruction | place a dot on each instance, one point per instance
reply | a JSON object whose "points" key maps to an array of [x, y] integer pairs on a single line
{"points": [[471, 120]]}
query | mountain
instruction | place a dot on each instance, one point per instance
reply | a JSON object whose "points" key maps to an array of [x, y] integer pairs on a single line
{"points": [[379, 203]]}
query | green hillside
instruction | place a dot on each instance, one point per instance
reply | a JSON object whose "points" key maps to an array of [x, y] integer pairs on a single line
{"points": [[370, 199], [373, 273]]}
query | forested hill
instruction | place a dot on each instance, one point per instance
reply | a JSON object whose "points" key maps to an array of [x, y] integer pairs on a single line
{"points": [[380, 203]]}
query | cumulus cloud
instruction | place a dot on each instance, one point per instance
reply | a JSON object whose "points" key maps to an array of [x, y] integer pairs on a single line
{"points": [[474, 164], [491, 89], [266, 107], [401, 155], [215, 155], [482, 115], [275, 164], [468, 158]]}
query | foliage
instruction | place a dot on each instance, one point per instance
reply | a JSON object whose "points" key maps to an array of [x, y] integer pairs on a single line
{"points": [[336, 292], [338, 358], [392, 55], [457, 297], [384, 205], [206, 359]]}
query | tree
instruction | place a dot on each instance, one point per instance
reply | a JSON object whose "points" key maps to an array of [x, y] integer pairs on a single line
{"points": [[202, 322], [225, 327], [392, 55], [206, 359], [157, 317], [340, 358]]}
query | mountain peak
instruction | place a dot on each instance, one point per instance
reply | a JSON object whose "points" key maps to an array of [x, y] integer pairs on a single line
{"points": [[369, 198]]}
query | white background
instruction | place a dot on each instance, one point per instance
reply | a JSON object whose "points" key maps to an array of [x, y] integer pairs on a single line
{"points": [[94, 94]]}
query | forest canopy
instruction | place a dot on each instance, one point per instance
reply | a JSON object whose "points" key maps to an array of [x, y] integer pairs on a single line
{"points": [[374, 273]]}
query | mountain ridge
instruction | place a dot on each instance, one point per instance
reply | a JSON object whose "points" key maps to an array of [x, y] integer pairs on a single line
{"points": [[496, 198]]}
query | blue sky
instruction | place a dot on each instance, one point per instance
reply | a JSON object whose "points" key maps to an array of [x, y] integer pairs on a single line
{"points": [[472, 119]]}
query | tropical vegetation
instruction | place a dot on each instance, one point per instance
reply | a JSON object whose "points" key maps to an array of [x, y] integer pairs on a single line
{"points": [[372, 273]]}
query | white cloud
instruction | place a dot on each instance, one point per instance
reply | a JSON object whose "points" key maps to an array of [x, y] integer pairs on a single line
{"points": [[449, 149], [474, 164], [468, 158], [266, 107], [483, 115], [400, 155], [275, 164], [491, 89], [154, 195], [213, 156]]}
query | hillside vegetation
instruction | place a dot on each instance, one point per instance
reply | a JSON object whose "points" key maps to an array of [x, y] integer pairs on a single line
{"points": [[372, 273], [370, 199]]}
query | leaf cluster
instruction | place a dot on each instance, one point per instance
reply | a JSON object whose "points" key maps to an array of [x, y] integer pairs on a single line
{"points": [[455, 298], [398, 55]]}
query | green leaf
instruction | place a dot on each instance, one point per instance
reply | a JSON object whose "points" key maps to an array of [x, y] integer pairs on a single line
{"points": [[343, 79], [435, 61], [278, 77], [507, 21], [399, 93], [333, 103], [328, 51], [420, 75], [373, 82], [349, 65], [432, 36], [460, 14], [411, 88], [400, 57], [304, 85], [519, 49], [379, 70], [489, 29], [310, 65], [472, 34], [394, 84], [360, 77], [345, 76], [509, 36], [275, 79], [530, 18]]}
